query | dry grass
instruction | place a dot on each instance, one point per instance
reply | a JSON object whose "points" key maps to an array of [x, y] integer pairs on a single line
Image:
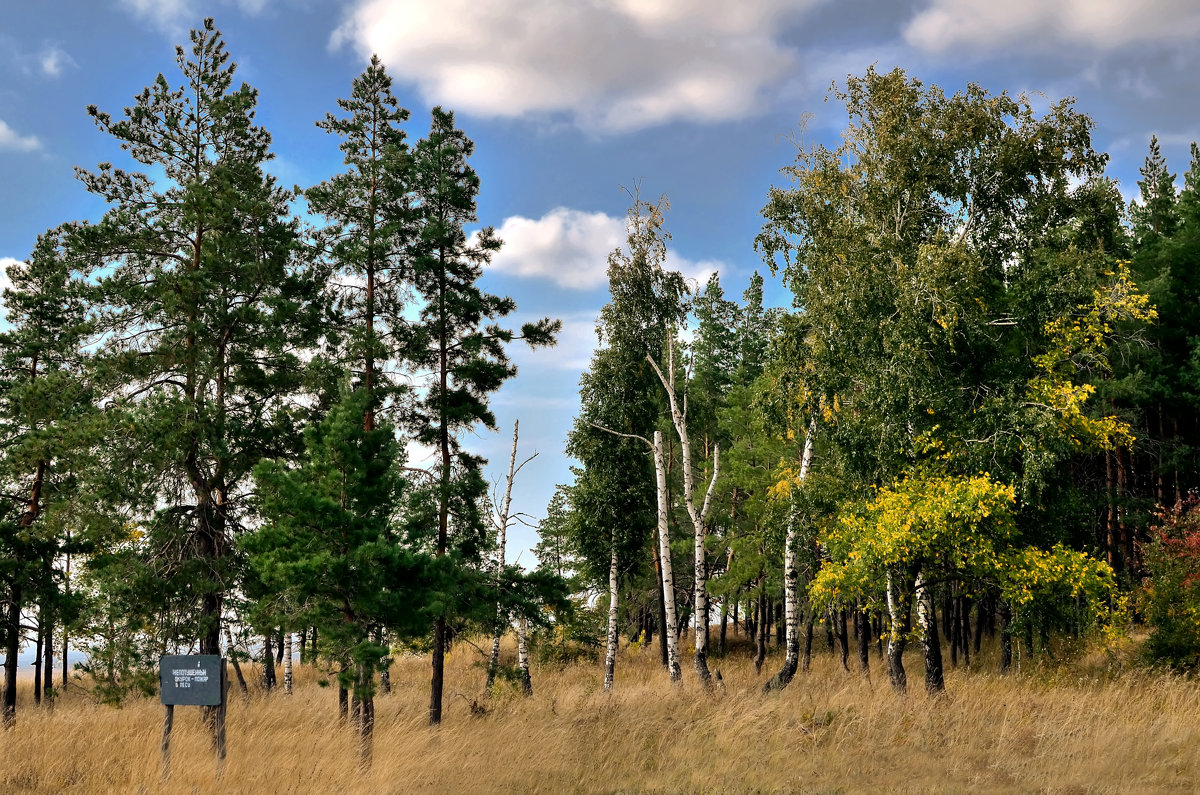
{"points": [[1068, 729]]}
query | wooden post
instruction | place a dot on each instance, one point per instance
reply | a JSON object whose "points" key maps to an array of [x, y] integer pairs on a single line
{"points": [[168, 720], [221, 720]]}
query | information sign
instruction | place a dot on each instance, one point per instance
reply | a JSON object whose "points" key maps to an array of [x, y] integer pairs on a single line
{"points": [[190, 679]]}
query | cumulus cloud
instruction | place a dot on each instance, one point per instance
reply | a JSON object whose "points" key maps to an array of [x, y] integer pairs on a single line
{"points": [[1094, 24], [609, 65], [10, 140], [571, 248]]}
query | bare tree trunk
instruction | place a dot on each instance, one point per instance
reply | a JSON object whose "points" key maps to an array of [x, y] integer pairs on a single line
{"points": [[1005, 636], [930, 642], [610, 649], [664, 546], [838, 617], [501, 522], [760, 647], [523, 656]]}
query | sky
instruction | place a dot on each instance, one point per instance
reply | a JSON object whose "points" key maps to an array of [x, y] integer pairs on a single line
{"points": [[569, 100]]}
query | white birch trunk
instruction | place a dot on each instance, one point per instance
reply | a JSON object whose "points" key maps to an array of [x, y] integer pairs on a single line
{"points": [[523, 655], [791, 574], [930, 641], [698, 516], [664, 545], [610, 649], [287, 663], [896, 639]]}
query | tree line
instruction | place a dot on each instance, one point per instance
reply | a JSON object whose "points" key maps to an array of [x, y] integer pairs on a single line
{"points": [[206, 400]]}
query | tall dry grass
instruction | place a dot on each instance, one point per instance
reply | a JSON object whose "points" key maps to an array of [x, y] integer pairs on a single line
{"points": [[1074, 728]]}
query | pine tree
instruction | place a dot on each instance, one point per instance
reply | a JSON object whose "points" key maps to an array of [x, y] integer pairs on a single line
{"points": [[370, 225], [204, 308], [331, 546], [455, 342]]}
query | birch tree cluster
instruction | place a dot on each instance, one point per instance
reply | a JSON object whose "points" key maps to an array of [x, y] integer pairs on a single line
{"points": [[978, 406]]}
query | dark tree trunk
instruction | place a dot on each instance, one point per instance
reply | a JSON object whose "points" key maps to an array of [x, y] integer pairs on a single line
{"points": [[303, 646], [12, 631], [268, 663], [279, 649], [760, 651], [48, 661], [806, 658], [843, 639], [1005, 636], [864, 640], [662, 607], [37, 664]]}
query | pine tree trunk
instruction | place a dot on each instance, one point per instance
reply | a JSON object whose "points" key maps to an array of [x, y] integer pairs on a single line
{"points": [[610, 648], [806, 658], [523, 656], [760, 649], [664, 545], [724, 626], [385, 665], [12, 631], [930, 642]]}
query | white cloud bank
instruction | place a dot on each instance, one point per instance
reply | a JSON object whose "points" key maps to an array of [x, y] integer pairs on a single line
{"points": [[571, 248], [988, 26], [609, 65], [11, 141]]}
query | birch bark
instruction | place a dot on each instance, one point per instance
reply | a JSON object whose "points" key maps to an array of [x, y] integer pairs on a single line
{"points": [[664, 545], [698, 516], [791, 576]]}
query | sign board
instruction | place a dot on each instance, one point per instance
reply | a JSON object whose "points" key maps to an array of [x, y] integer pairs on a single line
{"points": [[190, 679]]}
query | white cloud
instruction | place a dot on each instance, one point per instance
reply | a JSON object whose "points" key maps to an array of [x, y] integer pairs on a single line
{"points": [[1094, 24], [10, 140], [609, 65], [571, 248], [53, 60]]}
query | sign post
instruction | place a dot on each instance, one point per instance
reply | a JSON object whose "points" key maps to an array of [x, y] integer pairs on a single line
{"points": [[192, 680]]}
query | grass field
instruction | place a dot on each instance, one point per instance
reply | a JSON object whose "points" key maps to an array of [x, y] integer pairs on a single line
{"points": [[1065, 728]]}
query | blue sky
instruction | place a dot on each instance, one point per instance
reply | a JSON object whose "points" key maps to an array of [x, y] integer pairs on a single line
{"points": [[567, 100]]}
